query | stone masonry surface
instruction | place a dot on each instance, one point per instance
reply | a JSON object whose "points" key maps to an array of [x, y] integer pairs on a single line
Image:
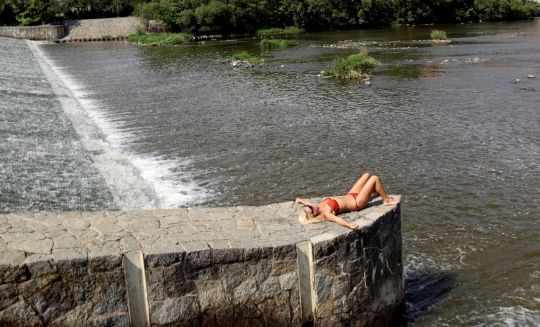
{"points": [[204, 267]]}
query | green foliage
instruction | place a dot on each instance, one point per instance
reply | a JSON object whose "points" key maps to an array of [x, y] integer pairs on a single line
{"points": [[355, 66], [504, 9], [31, 12], [159, 38], [277, 31], [244, 56], [277, 43], [438, 35], [271, 31]]}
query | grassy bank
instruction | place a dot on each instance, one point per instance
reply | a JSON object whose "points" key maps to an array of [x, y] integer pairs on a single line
{"points": [[278, 31], [355, 66], [277, 43], [159, 38], [244, 56]]}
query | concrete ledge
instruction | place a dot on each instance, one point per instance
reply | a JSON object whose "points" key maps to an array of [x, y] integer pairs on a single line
{"points": [[212, 267], [44, 32]]}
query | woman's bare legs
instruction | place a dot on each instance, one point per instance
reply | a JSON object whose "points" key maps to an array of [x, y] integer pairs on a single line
{"points": [[357, 187], [373, 184]]}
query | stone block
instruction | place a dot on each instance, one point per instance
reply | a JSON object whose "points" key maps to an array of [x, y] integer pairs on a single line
{"points": [[190, 308], [283, 266], [84, 288], [129, 243], [225, 317], [116, 320], [80, 317], [268, 289], [53, 301], [20, 315], [165, 312], [233, 275], [288, 281], [33, 246], [245, 223], [199, 215], [163, 255], [245, 312], [67, 241], [323, 245], [198, 255], [40, 264], [327, 265], [26, 289], [12, 267], [243, 292], [155, 284], [285, 252], [9, 294], [323, 284], [212, 296], [283, 316], [175, 285], [104, 256], [99, 218], [110, 292], [170, 221], [71, 262], [224, 256], [264, 268]]}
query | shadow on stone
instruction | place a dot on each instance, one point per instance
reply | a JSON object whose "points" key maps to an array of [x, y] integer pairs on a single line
{"points": [[424, 291]]}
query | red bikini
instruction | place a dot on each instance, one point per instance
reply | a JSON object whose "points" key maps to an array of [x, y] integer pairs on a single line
{"points": [[334, 205]]}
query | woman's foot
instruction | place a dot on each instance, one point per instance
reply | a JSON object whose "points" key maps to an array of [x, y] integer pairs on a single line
{"points": [[390, 202]]}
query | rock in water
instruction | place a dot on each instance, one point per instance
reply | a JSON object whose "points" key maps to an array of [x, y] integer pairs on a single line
{"points": [[530, 76], [518, 80]]}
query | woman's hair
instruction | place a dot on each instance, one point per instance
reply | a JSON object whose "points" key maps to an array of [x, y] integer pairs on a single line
{"points": [[309, 218]]}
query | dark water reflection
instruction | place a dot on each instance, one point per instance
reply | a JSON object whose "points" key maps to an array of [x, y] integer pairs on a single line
{"points": [[447, 126]]}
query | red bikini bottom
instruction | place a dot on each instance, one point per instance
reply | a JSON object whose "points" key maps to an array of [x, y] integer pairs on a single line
{"points": [[354, 195]]}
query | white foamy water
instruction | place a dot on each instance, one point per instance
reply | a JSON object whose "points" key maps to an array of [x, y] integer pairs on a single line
{"points": [[136, 182]]}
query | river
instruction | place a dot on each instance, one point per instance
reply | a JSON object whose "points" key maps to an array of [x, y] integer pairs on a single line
{"points": [[445, 125]]}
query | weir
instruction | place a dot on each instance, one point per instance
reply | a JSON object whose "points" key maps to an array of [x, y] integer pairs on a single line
{"points": [[240, 266]]}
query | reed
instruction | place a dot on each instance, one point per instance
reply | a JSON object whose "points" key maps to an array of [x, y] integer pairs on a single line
{"points": [[159, 38], [438, 35], [277, 43], [244, 56], [277, 31], [354, 66]]}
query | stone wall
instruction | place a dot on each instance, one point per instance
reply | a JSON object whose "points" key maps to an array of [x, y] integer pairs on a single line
{"points": [[45, 32], [243, 266]]}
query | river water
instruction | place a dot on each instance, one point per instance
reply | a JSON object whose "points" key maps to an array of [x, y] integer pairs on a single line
{"points": [[445, 125]]}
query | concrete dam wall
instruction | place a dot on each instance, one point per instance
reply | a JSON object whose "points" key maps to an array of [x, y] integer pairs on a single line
{"points": [[45, 32], [242, 266]]}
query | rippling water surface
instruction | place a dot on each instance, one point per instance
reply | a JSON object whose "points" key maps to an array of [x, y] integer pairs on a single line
{"points": [[446, 125]]}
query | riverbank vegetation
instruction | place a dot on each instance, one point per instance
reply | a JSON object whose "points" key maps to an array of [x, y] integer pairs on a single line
{"points": [[277, 43], [244, 56], [159, 38], [438, 35], [227, 17], [358, 65], [278, 31]]}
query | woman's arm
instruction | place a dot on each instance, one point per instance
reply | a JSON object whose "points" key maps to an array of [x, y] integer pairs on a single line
{"points": [[302, 202], [333, 218]]}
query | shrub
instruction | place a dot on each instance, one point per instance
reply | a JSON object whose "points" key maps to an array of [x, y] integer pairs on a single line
{"points": [[355, 66], [159, 38], [244, 56], [438, 35], [277, 43]]}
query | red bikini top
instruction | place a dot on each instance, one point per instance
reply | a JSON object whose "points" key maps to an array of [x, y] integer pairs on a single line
{"points": [[334, 205]]}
